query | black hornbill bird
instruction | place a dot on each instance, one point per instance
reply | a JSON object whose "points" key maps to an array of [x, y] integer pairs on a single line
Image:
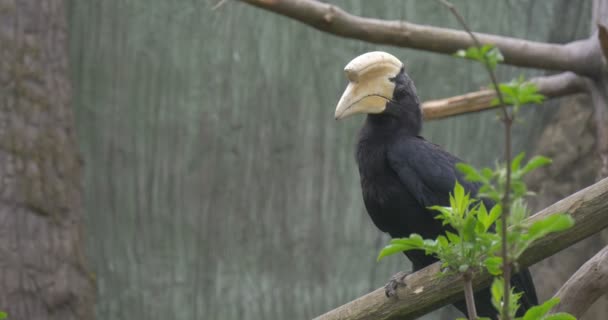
{"points": [[402, 174]]}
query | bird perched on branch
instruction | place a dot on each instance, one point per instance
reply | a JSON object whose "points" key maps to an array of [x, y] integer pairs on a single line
{"points": [[402, 174]]}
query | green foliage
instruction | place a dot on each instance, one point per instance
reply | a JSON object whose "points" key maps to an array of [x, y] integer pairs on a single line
{"points": [[517, 93], [539, 312], [487, 54], [3, 315], [494, 181], [475, 243], [497, 290], [458, 251]]}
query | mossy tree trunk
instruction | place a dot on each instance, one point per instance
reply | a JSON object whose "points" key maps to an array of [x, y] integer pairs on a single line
{"points": [[42, 270]]}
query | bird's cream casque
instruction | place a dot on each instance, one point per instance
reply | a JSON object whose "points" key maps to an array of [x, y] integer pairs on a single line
{"points": [[369, 86]]}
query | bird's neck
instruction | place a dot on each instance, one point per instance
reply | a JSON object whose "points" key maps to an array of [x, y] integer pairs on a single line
{"points": [[406, 122]]}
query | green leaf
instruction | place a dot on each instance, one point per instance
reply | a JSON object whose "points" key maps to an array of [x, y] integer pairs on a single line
{"points": [[507, 89], [497, 290], [494, 102], [519, 211], [487, 173], [482, 216], [528, 93], [470, 173], [494, 214], [391, 249], [459, 197], [538, 312], [443, 242], [468, 231], [3, 315], [534, 163], [553, 223], [560, 316], [494, 265], [517, 161], [445, 211], [452, 237], [519, 188]]}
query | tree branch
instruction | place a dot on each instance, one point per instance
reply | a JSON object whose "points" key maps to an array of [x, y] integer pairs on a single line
{"points": [[582, 57], [551, 86], [587, 285], [425, 291]]}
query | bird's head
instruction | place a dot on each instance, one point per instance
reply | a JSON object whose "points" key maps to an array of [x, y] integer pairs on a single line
{"points": [[377, 84]]}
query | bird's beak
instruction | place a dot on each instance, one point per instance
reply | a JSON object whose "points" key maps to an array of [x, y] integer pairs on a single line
{"points": [[369, 84], [367, 97]]}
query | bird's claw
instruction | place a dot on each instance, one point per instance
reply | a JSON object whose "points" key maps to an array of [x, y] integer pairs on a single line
{"points": [[397, 280]]}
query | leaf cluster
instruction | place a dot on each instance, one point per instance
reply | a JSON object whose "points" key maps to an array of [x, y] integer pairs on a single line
{"points": [[471, 241], [468, 241], [539, 312], [517, 93], [493, 186], [487, 54], [493, 182]]}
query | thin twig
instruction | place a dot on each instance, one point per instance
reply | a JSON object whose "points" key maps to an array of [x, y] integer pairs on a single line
{"points": [[508, 121], [468, 295]]}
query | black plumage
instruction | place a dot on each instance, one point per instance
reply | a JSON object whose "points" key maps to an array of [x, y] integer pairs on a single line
{"points": [[402, 174]]}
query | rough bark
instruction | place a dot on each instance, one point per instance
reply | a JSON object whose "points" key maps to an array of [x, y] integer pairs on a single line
{"points": [[425, 291], [570, 141], [582, 57], [43, 273], [587, 285]]}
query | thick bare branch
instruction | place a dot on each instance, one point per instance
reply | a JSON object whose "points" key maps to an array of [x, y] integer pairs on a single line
{"points": [[425, 291], [587, 285], [582, 57], [554, 86]]}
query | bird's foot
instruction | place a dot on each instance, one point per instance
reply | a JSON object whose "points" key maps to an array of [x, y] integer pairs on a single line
{"points": [[397, 280]]}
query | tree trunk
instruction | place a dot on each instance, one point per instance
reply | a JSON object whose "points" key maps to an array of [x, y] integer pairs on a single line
{"points": [[43, 274]]}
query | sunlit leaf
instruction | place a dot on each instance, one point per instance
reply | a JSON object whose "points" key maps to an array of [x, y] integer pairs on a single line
{"points": [[470, 173], [468, 231], [494, 214], [534, 163], [443, 241], [559, 316], [537, 312], [515, 163], [497, 290], [391, 249], [494, 265], [452, 237], [552, 223]]}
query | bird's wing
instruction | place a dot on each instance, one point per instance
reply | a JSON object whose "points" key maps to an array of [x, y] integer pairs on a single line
{"points": [[429, 173], [426, 170]]}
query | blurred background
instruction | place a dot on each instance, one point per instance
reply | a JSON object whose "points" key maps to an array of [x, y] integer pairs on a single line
{"points": [[217, 183]]}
